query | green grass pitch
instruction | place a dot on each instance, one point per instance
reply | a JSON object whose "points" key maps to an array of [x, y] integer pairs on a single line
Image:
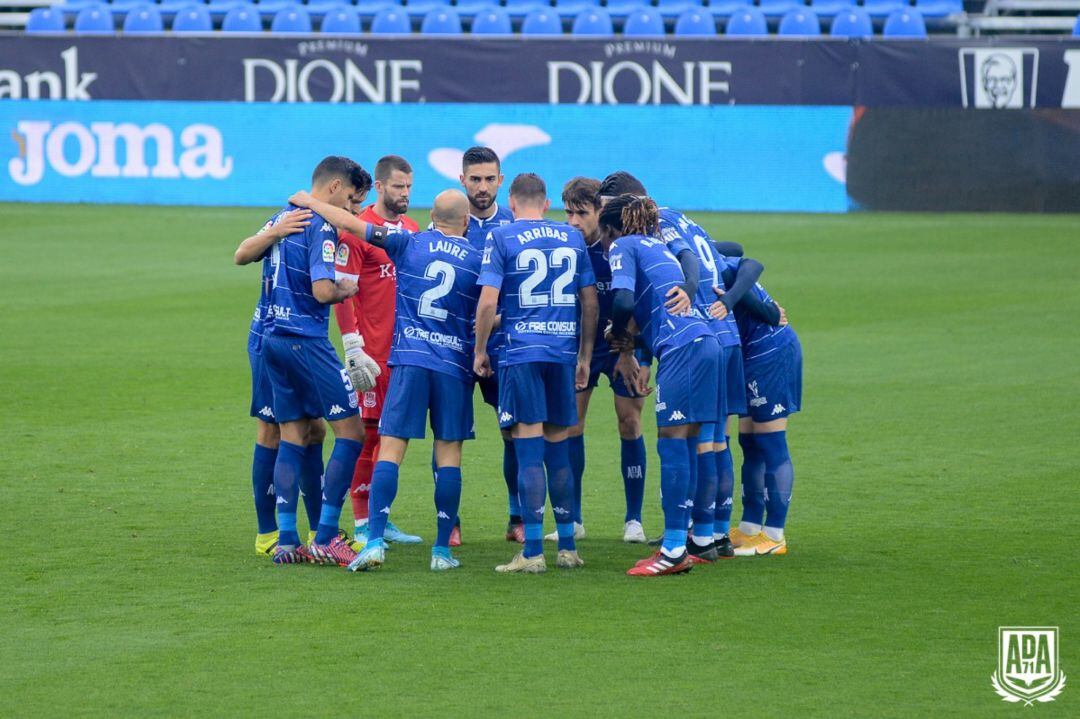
{"points": [[936, 498]]}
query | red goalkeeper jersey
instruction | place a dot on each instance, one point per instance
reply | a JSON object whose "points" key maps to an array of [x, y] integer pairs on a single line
{"points": [[370, 312]]}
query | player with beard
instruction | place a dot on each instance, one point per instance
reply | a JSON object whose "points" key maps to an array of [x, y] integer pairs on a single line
{"points": [[366, 322], [481, 177]]}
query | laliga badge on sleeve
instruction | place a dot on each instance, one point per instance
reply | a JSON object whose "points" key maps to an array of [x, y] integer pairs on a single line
{"points": [[1028, 669]]}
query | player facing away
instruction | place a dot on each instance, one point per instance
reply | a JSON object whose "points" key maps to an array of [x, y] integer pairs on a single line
{"points": [[581, 198], [481, 177], [431, 360], [643, 271], [772, 359], [366, 322], [306, 376], [268, 436], [539, 271]]}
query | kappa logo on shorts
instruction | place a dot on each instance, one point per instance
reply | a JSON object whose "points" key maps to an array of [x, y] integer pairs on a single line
{"points": [[505, 417], [267, 412], [369, 399], [336, 409], [676, 415], [777, 409]]}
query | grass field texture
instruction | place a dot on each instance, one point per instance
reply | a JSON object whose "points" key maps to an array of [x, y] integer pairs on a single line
{"points": [[936, 498]]}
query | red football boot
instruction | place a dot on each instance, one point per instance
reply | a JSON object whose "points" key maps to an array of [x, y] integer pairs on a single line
{"points": [[660, 564]]}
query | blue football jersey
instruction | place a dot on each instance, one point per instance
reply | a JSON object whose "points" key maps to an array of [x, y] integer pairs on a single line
{"points": [[296, 262], [436, 301], [602, 271], [539, 266], [645, 266], [759, 339], [680, 231], [477, 235]]}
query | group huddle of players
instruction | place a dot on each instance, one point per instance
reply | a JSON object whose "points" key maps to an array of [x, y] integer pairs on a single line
{"points": [[533, 312]]}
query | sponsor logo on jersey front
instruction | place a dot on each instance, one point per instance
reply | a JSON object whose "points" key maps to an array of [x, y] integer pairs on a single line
{"points": [[439, 339], [560, 329]]}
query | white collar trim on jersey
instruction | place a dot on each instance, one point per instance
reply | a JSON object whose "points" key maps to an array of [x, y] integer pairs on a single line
{"points": [[490, 217]]}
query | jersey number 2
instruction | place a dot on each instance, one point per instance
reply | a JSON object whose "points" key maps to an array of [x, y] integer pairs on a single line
{"points": [[559, 257], [443, 272]]}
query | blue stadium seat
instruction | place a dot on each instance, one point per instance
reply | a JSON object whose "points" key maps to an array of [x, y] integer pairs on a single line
{"points": [[778, 8], [72, 7], [193, 18], [242, 18], [391, 21], [542, 22], [94, 20], [749, 22], [420, 8], [1076, 27], [371, 8], [622, 8], [907, 22], [853, 22], [695, 22], [271, 8], [802, 22], [829, 8], [144, 20], [573, 8], [343, 21], [939, 8], [219, 8], [726, 8], [322, 8], [521, 8], [122, 7], [441, 22], [675, 8], [170, 8], [492, 21], [45, 19], [882, 8], [644, 21], [291, 21], [595, 22]]}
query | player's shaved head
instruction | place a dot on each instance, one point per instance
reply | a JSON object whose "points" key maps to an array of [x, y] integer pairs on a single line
{"points": [[621, 183], [450, 212], [388, 163], [528, 189]]}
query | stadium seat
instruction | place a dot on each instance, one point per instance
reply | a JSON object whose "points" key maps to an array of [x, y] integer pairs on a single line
{"points": [[882, 8], [371, 8], [492, 21], [219, 8], [778, 8], [291, 21], [749, 22], [675, 8], [542, 22], [644, 21], [391, 21], [696, 21], [905, 23], [271, 8], [595, 22], [573, 8], [193, 18], [123, 7], [830, 8], [242, 18], [726, 8], [803, 23], [1076, 27], [144, 20], [94, 20], [45, 19], [441, 22], [421, 8], [939, 8], [622, 8], [72, 7], [521, 8], [343, 21], [853, 22]]}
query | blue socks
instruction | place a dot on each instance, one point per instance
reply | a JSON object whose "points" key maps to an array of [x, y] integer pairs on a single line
{"points": [[561, 490], [674, 484], [311, 483], [725, 469], [577, 466], [447, 500], [287, 471], [705, 497], [532, 491], [510, 476], [262, 485], [633, 472], [779, 477], [753, 480], [384, 482], [339, 474]]}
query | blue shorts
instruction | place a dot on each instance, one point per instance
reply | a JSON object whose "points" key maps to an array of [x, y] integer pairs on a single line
{"points": [[687, 384], [307, 379], [416, 392], [489, 386], [262, 394], [774, 384], [732, 382], [605, 365], [537, 392]]}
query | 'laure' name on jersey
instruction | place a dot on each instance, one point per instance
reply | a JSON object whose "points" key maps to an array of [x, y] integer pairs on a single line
{"points": [[450, 248]]}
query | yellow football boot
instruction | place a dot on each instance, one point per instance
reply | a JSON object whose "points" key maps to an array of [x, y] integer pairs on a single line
{"points": [[738, 538], [761, 545], [265, 544]]}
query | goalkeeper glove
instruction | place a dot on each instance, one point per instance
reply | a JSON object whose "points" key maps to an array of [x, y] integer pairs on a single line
{"points": [[361, 368]]}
